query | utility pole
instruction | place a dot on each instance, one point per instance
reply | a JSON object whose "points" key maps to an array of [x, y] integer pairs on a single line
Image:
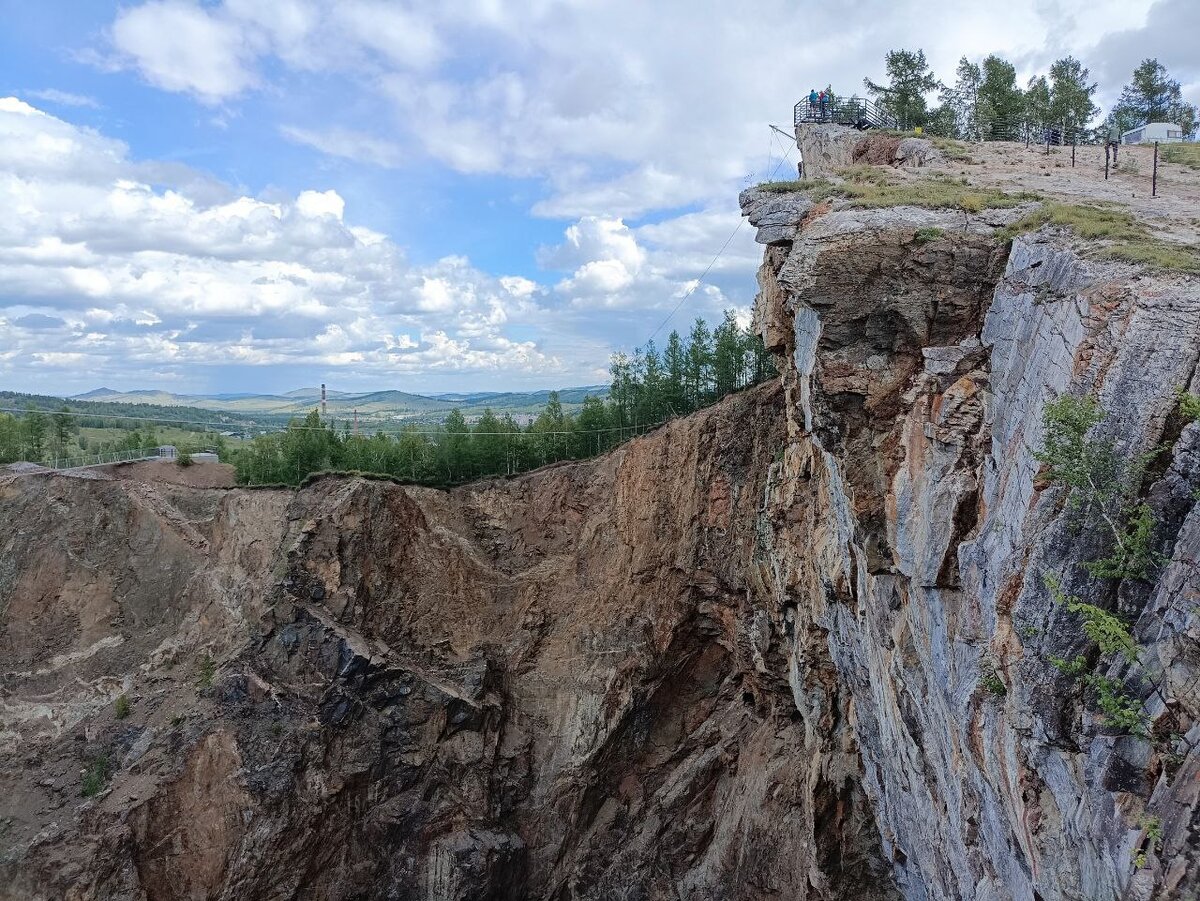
{"points": [[324, 408], [1154, 181], [355, 422]]}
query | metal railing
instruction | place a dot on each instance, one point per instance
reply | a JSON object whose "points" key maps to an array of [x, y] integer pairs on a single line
{"points": [[855, 112], [125, 456]]}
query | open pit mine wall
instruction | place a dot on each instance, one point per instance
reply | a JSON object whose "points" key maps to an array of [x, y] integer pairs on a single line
{"points": [[908, 533]]}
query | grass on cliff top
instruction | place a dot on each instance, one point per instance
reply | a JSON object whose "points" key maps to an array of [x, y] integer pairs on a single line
{"points": [[1122, 236], [1183, 154], [873, 187]]}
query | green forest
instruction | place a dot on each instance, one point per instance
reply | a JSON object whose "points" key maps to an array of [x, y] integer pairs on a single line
{"points": [[647, 388]]}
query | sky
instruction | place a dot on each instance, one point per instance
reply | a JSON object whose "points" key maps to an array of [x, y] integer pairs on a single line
{"points": [[260, 195]]}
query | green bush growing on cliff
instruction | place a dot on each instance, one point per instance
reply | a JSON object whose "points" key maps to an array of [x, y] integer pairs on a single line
{"points": [[1189, 406], [208, 671], [95, 777], [1119, 710], [122, 707], [1100, 485]]}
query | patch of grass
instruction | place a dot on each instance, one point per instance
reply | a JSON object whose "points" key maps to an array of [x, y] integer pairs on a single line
{"points": [[873, 187], [95, 777], [925, 235], [951, 149], [1183, 154], [122, 707], [1124, 237], [783, 187]]}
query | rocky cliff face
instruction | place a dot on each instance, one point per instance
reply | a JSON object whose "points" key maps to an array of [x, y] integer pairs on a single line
{"points": [[910, 534], [798, 645]]}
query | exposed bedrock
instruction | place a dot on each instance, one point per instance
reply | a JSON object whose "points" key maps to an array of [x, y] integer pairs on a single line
{"points": [[909, 534]]}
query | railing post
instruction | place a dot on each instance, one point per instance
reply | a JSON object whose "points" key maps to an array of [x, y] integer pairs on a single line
{"points": [[1107, 148], [1154, 178]]}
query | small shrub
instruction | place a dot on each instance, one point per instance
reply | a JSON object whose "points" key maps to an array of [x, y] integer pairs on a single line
{"points": [[177, 720], [208, 671], [990, 680], [1189, 406], [277, 728], [183, 458], [95, 777], [1133, 557], [1109, 633], [122, 707], [971, 203], [1120, 711], [925, 235]]}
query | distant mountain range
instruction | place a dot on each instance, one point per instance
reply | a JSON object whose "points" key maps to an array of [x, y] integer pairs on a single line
{"points": [[372, 404]]}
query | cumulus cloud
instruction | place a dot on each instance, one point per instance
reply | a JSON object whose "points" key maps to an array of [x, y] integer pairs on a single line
{"points": [[131, 276]]}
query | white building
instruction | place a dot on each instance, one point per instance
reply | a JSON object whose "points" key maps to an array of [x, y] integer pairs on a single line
{"points": [[1163, 132]]}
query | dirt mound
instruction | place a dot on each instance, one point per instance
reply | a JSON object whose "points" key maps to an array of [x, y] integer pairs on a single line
{"points": [[198, 475]]}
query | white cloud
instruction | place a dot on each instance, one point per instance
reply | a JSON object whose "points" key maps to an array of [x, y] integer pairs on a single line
{"points": [[107, 274], [181, 46], [64, 98], [345, 143]]}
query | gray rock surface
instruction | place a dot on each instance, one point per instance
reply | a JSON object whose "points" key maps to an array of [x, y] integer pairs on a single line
{"points": [[910, 533]]}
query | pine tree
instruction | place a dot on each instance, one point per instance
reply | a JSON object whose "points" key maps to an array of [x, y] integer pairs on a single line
{"points": [[591, 428], [729, 356], [1071, 106], [909, 80], [488, 446], [698, 374], [455, 446], [35, 434], [1153, 96], [675, 370], [60, 432]]}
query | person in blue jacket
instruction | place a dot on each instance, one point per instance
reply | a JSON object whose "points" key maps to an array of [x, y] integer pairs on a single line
{"points": [[812, 101]]}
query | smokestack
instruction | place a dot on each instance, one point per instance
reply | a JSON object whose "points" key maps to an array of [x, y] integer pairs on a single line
{"points": [[324, 409]]}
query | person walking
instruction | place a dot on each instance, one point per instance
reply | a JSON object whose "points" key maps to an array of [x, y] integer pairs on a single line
{"points": [[1114, 140]]}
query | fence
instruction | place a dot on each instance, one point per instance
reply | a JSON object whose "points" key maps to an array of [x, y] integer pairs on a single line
{"points": [[127, 456]]}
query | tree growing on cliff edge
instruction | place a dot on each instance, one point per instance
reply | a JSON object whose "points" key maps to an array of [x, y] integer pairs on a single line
{"points": [[1152, 96], [909, 80]]}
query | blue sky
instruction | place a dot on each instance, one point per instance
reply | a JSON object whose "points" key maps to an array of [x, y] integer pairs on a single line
{"points": [[259, 194]]}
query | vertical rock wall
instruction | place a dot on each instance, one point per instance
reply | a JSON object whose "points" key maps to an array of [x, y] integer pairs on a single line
{"points": [[908, 535]]}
